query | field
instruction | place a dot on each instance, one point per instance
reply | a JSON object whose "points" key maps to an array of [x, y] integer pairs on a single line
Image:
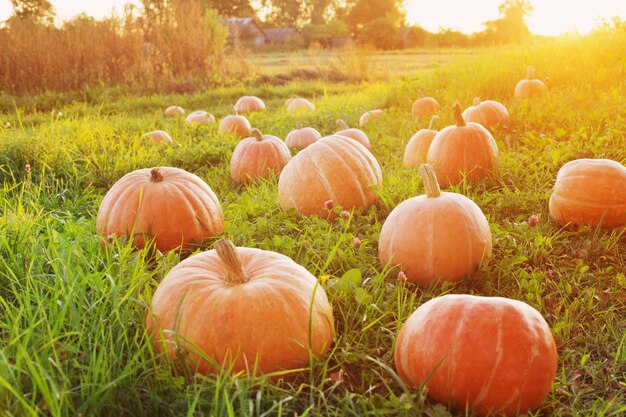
{"points": [[72, 313]]}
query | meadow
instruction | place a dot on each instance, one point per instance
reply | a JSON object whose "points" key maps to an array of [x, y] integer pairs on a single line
{"points": [[72, 313]]}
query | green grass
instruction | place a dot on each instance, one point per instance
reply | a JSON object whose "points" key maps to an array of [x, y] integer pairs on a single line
{"points": [[72, 314]]}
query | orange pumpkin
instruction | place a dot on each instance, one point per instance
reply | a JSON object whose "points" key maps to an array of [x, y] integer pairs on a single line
{"points": [[248, 104], [352, 133], [435, 237], [259, 156], [299, 104], [246, 310], [332, 169], [234, 124], [174, 111], [530, 87], [466, 150], [158, 136], [424, 107], [174, 208], [488, 113], [492, 355], [301, 137], [417, 148], [200, 116], [590, 192], [370, 115]]}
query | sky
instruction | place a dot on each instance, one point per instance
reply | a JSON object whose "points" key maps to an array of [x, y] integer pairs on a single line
{"points": [[550, 17]]}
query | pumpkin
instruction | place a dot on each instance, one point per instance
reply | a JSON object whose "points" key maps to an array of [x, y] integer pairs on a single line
{"points": [[464, 150], [241, 309], [590, 192], [248, 104], [424, 107], [200, 116], [234, 124], [435, 237], [492, 355], [370, 115], [333, 169], [158, 136], [171, 206], [174, 111], [259, 156], [352, 133], [301, 137], [417, 148], [488, 113], [299, 104], [530, 87]]}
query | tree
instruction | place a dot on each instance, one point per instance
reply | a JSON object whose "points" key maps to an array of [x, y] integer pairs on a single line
{"points": [[382, 33], [36, 10], [231, 8], [365, 12], [511, 26]]}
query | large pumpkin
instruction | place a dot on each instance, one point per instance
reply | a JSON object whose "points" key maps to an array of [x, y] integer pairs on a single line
{"points": [[248, 104], [435, 237], [590, 192], [530, 87], [302, 137], [246, 310], [488, 113], [424, 107], [235, 124], [466, 150], [259, 156], [370, 115], [299, 104], [174, 208], [332, 169], [417, 149], [489, 354], [353, 133]]}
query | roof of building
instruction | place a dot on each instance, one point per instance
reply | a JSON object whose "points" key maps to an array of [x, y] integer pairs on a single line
{"points": [[281, 34]]}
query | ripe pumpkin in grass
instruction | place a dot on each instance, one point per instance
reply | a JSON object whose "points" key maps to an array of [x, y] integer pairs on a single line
{"points": [[256, 310], [302, 137], [368, 116], [465, 150], [332, 169], [590, 192], [158, 136], [174, 208], [424, 107], [492, 355], [488, 113], [417, 149], [299, 104], [200, 116], [174, 111], [353, 133], [435, 237], [248, 104], [259, 156], [235, 124], [530, 87]]}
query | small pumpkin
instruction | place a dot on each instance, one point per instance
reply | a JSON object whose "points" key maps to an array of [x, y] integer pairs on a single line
{"points": [[234, 124], [158, 136], [590, 192], [200, 116], [298, 104], [248, 104], [493, 355], [171, 206], [174, 111], [435, 237], [488, 113], [464, 150], [417, 149], [301, 137], [259, 156], [245, 309], [530, 87], [353, 133], [333, 169], [370, 115], [424, 107]]}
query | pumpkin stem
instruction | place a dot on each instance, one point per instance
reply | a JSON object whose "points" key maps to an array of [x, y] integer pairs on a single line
{"points": [[155, 175], [530, 72], [476, 101], [342, 125], [458, 115], [433, 120], [257, 134], [227, 253], [427, 172]]}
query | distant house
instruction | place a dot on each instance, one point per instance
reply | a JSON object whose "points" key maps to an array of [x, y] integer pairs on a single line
{"points": [[341, 42], [246, 29], [284, 36]]}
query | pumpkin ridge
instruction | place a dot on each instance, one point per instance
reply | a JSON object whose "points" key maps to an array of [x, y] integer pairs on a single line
{"points": [[364, 168], [498, 351], [369, 163], [327, 186]]}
